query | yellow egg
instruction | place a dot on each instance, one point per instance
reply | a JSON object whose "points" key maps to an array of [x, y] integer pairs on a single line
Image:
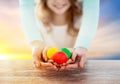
{"points": [[51, 51]]}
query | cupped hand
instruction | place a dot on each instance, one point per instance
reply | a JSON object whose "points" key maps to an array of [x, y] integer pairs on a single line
{"points": [[78, 59], [40, 58]]}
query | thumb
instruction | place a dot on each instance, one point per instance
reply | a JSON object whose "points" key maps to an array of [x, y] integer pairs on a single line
{"points": [[82, 62], [74, 55]]}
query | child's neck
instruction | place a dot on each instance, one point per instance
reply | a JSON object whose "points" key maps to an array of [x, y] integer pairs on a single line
{"points": [[59, 19]]}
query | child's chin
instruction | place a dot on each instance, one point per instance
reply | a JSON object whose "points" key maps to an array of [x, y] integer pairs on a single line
{"points": [[60, 12]]}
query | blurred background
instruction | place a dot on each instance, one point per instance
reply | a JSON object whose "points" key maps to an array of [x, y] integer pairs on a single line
{"points": [[15, 46]]}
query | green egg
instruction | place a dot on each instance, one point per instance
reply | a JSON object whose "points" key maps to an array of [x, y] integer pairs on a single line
{"points": [[65, 50]]}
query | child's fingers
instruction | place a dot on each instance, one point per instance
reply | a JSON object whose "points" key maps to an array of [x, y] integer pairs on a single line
{"points": [[74, 55], [62, 68], [55, 68], [37, 54], [49, 65], [82, 62], [64, 64], [78, 64], [44, 64], [72, 66], [37, 63], [37, 60], [55, 63], [69, 61], [50, 61], [44, 53]]}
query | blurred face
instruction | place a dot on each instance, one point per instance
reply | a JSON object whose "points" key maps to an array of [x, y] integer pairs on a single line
{"points": [[58, 6]]}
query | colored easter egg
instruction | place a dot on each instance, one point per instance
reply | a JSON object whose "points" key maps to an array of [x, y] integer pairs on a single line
{"points": [[67, 51], [60, 58], [51, 51]]}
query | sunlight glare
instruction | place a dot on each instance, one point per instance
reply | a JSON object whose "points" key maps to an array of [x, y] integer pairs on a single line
{"points": [[4, 57]]}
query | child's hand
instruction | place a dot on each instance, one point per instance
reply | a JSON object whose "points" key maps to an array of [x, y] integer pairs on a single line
{"points": [[39, 57], [44, 56], [77, 60]]}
